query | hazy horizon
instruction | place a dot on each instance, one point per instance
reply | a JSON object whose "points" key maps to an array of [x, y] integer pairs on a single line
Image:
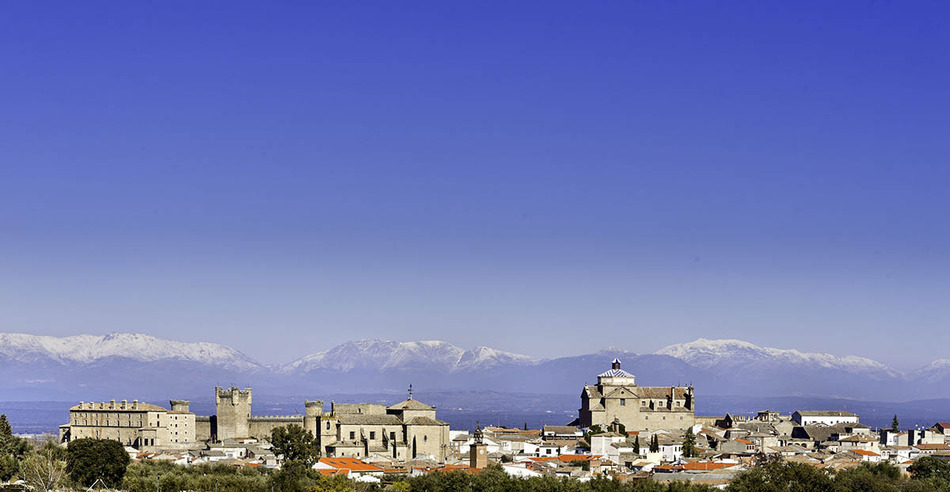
{"points": [[282, 178]]}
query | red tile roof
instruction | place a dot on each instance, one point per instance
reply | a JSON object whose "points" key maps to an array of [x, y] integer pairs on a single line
{"points": [[350, 464], [708, 465]]}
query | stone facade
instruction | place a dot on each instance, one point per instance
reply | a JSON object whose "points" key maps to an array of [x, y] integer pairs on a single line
{"points": [[138, 424], [408, 429], [616, 397], [233, 409]]}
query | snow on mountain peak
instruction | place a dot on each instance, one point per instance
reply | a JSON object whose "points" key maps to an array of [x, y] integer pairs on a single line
{"points": [[84, 349], [376, 354], [706, 354]]}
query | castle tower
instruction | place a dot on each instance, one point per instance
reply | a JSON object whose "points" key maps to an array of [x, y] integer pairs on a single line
{"points": [[313, 412], [233, 411], [179, 405]]}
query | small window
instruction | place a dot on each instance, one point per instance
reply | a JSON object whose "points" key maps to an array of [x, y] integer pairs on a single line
{"points": [[392, 436], [372, 434], [643, 403], [623, 402], [352, 434]]}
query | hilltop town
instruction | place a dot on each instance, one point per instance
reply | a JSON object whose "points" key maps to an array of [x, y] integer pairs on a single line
{"points": [[622, 431]]}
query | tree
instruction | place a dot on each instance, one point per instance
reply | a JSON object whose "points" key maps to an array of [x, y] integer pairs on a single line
{"points": [[782, 476], [689, 444], [870, 477], [636, 445], [45, 468], [12, 450], [929, 467], [90, 459], [296, 445], [8, 467], [654, 444], [895, 424]]}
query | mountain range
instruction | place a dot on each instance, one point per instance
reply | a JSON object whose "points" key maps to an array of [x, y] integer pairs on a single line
{"points": [[125, 365]]}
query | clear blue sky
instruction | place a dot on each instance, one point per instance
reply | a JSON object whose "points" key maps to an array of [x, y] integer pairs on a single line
{"points": [[546, 178]]}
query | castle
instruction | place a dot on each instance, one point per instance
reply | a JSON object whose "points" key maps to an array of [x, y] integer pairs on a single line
{"points": [[406, 430], [617, 399]]}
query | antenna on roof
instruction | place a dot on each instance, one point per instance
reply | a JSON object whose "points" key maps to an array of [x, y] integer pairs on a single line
{"points": [[410, 391]]}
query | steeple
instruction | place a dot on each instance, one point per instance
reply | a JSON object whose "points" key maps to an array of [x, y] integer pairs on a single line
{"points": [[615, 364]]}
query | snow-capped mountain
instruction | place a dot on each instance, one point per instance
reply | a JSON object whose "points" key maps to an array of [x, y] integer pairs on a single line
{"points": [[738, 354], [119, 365], [936, 372], [742, 368], [135, 365], [89, 349], [487, 358], [384, 355]]}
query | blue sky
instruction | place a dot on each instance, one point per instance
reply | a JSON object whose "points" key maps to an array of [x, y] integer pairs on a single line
{"points": [[546, 178]]}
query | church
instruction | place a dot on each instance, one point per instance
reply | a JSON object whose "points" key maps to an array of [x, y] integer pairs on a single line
{"points": [[617, 399]]}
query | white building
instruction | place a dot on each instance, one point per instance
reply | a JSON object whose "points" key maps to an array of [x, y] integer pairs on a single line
{"points": [[824, 417]]}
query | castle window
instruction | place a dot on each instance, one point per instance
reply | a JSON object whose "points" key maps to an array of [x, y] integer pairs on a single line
{"points": [[372, 434], [623, 402], [392, 436], [643, 403], [328, 425], [352, 434]]}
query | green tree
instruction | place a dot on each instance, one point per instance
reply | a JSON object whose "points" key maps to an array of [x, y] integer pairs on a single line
{"points": [[90, 459], [689, 444], [895, 424], [296, 445], [9, 466], [654, 444], [636, 444], [929, 467], [883, 477], [12, 450], [775, 476]]}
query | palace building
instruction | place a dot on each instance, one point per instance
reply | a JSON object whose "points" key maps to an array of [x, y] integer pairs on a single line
{"points": [[137, 424]]}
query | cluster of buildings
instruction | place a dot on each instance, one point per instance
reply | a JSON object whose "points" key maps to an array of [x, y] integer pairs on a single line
{"points": [[622, 430]]}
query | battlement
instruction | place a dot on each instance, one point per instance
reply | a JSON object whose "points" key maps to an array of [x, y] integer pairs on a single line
{"points": [[311, 404], [234, 394], [281, 418], [179, 405]]}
